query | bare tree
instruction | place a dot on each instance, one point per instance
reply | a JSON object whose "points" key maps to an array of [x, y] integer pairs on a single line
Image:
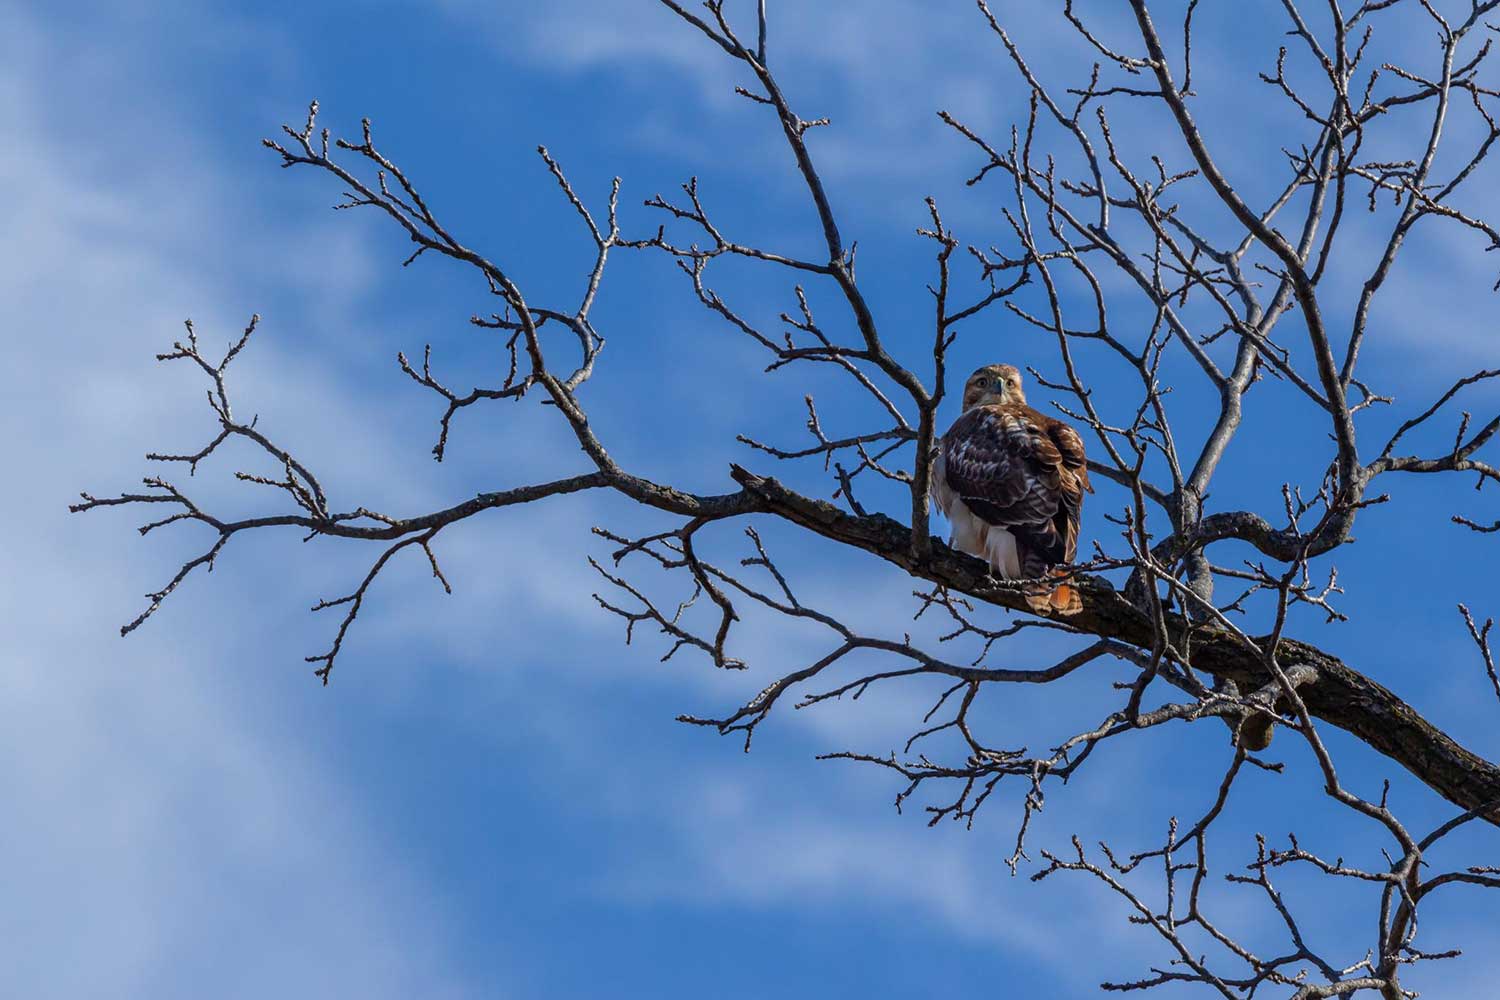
{"points": [[1234, 293]]}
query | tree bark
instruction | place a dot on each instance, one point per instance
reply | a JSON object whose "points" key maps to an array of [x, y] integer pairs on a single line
{"points": [[1336, 694]]}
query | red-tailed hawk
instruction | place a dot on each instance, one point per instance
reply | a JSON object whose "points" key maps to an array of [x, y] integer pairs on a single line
{"points": [[1011, 482]]}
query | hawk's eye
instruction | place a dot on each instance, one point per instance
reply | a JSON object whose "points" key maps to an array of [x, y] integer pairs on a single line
{"points": [[980, 383]]}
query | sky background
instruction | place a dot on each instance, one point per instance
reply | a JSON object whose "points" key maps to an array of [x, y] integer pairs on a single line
{"points": [[492, 798]]}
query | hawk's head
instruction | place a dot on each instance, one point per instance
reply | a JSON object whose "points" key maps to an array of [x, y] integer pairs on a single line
{"points": [[993, 384]]}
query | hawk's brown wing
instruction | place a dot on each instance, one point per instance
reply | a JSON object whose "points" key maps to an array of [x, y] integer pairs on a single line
{"points": [[1074, 480], [1008, 470], [1069, 446]]}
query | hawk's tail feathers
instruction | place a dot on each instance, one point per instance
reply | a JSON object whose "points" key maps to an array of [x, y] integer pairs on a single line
{"points": [[1063, 599], [1066, 600]]}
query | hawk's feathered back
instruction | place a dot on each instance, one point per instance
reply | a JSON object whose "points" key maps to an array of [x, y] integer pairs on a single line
{"points": [[1012, 482]]}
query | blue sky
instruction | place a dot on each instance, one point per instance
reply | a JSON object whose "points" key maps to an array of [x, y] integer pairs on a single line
{"points": [[492, 799]]}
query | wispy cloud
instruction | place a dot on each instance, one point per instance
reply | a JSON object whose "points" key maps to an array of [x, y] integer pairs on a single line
{"points": [[859, 65], [168, 833]]}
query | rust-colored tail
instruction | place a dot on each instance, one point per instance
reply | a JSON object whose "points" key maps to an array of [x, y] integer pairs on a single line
{"points": [[1066, 600], [1063, 599]]}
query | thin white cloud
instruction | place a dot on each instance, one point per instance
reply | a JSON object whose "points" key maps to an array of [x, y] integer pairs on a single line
{"points": [[167, 834], [744, 838], [857, 63]]}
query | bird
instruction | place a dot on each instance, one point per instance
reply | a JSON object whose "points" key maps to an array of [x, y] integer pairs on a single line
{"points": [[1011, 481]]}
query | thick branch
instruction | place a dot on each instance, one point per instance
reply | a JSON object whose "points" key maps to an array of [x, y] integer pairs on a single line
{"points": [[1340, 695]]}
